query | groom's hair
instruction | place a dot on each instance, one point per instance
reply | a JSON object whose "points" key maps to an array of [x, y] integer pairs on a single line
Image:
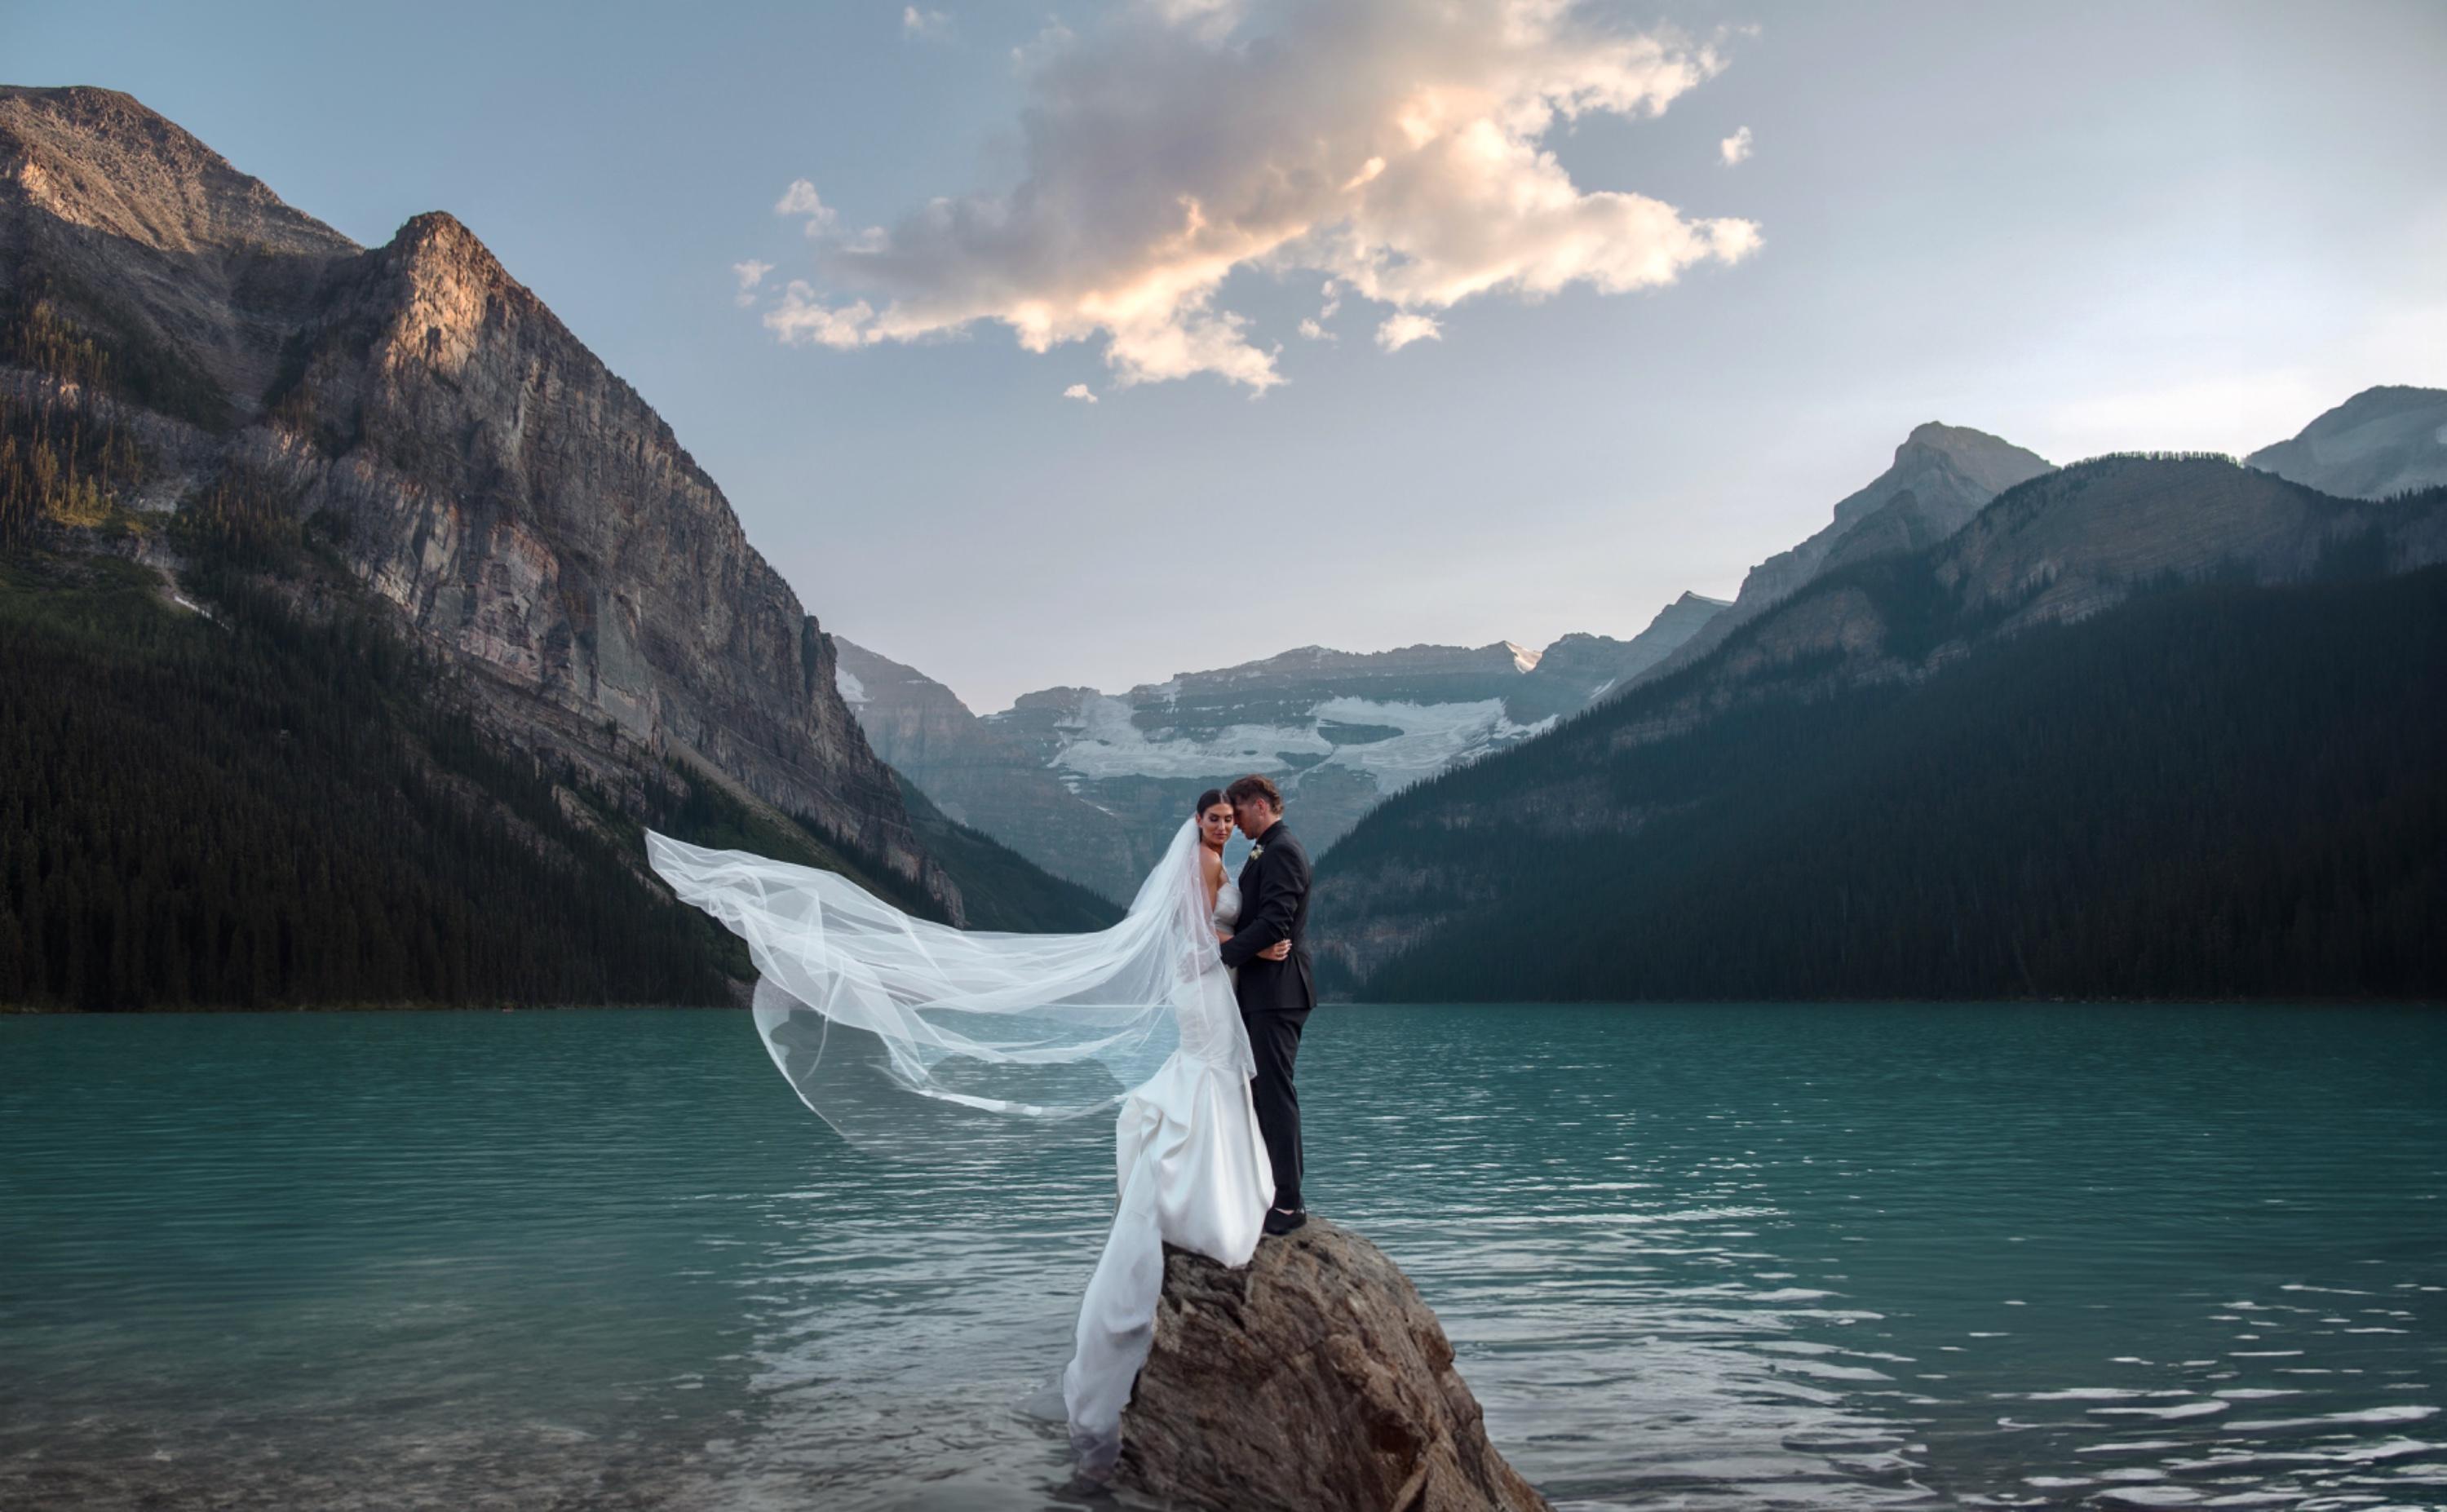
{"points": [[1253, 786]]}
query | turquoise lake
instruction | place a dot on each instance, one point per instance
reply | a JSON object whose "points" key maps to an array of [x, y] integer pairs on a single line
{"points": [[1710, 1256]]}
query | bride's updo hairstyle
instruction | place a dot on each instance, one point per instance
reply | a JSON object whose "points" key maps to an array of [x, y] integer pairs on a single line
{"points": [[1205, 801]]}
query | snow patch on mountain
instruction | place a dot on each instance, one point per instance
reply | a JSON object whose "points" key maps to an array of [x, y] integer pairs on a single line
{"points": [[1433, 736], [1395, 744], [1105, 742]]}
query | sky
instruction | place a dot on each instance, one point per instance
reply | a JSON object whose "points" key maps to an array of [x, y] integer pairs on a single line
{"points": [[1088, 344]]}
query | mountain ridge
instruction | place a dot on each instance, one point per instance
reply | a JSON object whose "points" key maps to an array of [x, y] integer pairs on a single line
{"points": [[1091, 786], [2384, 440], [2058, 549], [213, 364], [1941, 476]]}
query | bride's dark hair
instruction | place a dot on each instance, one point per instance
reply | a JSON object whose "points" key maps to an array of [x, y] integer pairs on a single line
{"points": [[1205, 801]]}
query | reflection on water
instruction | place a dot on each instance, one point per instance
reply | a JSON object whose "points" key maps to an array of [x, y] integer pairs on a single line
{"points": [[1720, 1257]]}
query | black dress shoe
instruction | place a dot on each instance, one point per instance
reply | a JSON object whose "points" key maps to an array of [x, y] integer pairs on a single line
{"points": [[1280, 1222]]}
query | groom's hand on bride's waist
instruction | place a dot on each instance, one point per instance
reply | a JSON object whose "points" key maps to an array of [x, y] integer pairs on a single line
{"points": [[1279, 951]]}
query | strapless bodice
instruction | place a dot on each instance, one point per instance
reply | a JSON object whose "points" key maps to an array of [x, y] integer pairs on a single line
{"points": [[1227, 906]]}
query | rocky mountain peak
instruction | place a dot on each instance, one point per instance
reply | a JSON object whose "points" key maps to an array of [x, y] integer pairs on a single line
{"points": [[439, 236], [2382, 441], [99, 160], [1941, 476], [2380, 402], [1579, 668], [1990, 463], [454, 287], [520, 508]]}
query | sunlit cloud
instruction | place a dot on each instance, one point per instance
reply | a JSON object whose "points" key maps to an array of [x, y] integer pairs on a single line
{"points": [[1402, 329], [1735, 148], [750, 275], [1400, 150], [1081, 392], [926, 25]]}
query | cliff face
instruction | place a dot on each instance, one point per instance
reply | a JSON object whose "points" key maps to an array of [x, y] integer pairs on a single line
{"points": [[519, 506], [193, 271], [982, 778], [522, 505]]}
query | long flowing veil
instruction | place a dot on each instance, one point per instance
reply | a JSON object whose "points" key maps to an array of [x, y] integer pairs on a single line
{"points": [[905, 1035], [899, 1031]]}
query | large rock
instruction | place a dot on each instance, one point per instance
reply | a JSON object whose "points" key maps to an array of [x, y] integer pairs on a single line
{"points": [[1312, 1378]]}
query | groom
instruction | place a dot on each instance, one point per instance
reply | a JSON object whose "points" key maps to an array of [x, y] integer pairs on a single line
{"points": [[1276, 996]]}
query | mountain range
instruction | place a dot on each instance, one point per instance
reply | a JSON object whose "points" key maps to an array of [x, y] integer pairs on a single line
{"points": [[202, 381], [1091, 786], [2145, 725], [359, 619], [2381, 442]]}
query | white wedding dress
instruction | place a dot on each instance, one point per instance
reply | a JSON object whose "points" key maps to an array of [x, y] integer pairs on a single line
{"points": [[1193, 1172], [898, 1031]]}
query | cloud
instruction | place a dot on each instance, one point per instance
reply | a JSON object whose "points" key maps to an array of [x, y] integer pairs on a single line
{"points": [[1314, 328], [1212, 20], [750, 275], [1400, 150], [802, 317], [926, 25], [1736, 147], [1050, 43], [1401, 329], [1080, 391], [802, 199]]}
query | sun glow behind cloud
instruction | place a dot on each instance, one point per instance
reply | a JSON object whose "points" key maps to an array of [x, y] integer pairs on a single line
{"points": [[1400, 151]]}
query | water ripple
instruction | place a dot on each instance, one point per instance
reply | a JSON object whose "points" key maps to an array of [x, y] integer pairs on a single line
{"points": [[1708, 1257]]}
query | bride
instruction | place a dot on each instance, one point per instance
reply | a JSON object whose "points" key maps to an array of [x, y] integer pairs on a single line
{"points": [[897, 1030]]}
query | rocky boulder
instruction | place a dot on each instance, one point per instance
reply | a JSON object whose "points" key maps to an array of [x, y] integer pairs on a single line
{"points": [[1314, 1377]]}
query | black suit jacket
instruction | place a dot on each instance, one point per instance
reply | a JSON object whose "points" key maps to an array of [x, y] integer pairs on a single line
{"points": [[1274, 906]]}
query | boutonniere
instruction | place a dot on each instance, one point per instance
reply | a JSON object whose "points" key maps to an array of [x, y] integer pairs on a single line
{"points": [[1256, 851]]}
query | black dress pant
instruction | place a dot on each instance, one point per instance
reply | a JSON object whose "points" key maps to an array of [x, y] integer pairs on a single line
{"points": [[1273, 1038]]}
